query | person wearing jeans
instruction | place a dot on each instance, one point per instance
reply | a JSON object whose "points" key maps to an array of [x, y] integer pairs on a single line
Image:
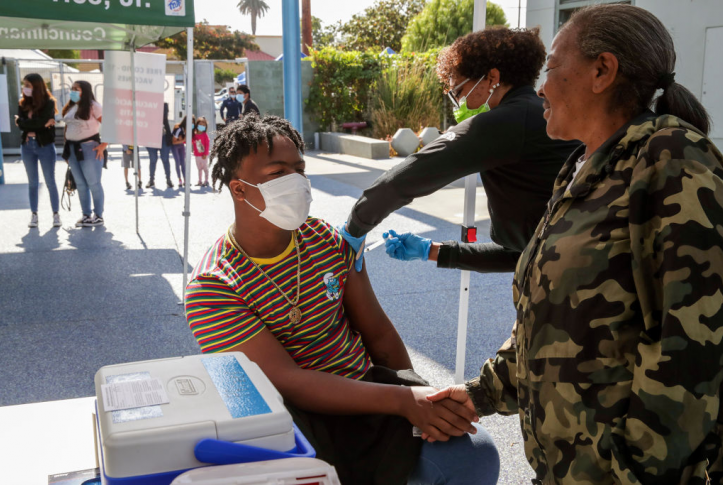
{"points": [[87, 173], [84, 151], [165, 152], [36, 120]]}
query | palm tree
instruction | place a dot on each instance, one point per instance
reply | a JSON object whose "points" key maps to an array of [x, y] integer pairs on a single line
{"points": [[255, 8]]}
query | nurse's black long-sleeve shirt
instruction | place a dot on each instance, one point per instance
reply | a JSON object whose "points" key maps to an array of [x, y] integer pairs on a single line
{"points": [[517, 161]]}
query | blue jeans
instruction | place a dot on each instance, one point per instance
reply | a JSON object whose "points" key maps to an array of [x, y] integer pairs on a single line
{"points": [[87, 177], [165, 153], [467, 460], [179, 155], [32, 153]]}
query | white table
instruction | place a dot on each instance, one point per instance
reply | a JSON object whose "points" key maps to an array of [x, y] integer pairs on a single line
{"points": [[41, 439]]}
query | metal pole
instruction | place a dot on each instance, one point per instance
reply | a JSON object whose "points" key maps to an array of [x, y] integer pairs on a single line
{"points": [[135, 128], [519, 12], [470, 196], [62, 84], [189, 151], [292, 64], [2, 161]]}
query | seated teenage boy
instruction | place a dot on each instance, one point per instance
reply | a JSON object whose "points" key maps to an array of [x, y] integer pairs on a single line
{"points": [[278, 287]]}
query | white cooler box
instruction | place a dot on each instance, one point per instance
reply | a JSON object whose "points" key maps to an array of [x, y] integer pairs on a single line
{"points": [[221, 409]]}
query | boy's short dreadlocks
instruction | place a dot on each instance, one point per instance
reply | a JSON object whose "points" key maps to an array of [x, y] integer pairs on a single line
{"points": [[235, 142]]}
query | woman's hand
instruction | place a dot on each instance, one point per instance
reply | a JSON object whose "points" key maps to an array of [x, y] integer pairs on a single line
{"points": [[51, 122], [438, 420], [99, 151], [457, 394], [16, 120]]}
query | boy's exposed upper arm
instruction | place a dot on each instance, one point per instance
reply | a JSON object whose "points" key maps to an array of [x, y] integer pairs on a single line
{"points": [[367, 317]]}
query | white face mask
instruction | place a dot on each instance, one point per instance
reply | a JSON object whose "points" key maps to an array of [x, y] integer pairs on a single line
{"points": [[287, 200]]}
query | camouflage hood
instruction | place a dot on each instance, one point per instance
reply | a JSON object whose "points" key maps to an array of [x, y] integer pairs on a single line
{"points": [[615, 361]]}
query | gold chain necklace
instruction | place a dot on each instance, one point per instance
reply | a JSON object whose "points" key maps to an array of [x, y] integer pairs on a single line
{"points": [[295, 314]]}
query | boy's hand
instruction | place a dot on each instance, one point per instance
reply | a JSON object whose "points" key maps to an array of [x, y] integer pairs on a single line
{"points": [[437, 420], [457, 400]]}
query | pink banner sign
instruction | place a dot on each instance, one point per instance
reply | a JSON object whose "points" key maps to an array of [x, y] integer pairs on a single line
{"points": [[118, 108]]}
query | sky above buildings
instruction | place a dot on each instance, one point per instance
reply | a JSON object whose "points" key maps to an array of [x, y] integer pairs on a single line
{"points": [[225, 12]]}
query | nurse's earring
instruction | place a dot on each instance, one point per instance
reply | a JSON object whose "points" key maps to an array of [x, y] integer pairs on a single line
{"points": [[492, 89]]}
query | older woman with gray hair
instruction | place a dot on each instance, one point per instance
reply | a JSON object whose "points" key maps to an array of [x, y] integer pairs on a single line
{"points": [[615, 361]]}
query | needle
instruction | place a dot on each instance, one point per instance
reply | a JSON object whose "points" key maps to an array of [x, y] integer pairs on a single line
{"points": [[375, 245]]}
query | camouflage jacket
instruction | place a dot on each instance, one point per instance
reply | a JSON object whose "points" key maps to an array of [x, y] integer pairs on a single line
{"points": [[616, 357]]}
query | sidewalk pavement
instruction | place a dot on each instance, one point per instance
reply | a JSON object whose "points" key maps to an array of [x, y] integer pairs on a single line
{"points": [[75, 299]]}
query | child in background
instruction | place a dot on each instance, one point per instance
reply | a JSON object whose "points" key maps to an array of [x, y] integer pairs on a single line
{"points": [[178, 148], [128, 163], [200, 150]]}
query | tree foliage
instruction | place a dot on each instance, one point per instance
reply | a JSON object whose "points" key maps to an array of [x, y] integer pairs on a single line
{"points": [[211, 42], [253, 8], [443, 21], [381, 25], [324, 36]]}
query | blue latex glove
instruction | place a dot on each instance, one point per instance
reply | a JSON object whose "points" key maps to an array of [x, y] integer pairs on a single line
{"points": [[356, 243], [407, 246]]}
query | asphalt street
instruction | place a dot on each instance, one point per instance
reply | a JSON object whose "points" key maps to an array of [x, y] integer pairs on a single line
{"points": [[75, 299]]}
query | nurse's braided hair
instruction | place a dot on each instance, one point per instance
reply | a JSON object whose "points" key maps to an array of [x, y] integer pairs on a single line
{"points": [[235, 142]]}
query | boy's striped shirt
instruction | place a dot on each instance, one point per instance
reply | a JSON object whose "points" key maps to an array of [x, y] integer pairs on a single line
{"points": [[229, 301]]}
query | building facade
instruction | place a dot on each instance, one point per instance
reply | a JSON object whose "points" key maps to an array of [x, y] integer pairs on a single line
{"points": [[697, 30]]}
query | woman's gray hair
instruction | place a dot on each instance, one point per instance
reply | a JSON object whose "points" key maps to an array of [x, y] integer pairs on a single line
{"points": [[646, 60]]}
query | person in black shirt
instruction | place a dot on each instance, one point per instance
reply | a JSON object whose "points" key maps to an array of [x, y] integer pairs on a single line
{"points": [[247, 106], [36, 120], [501, 134]]}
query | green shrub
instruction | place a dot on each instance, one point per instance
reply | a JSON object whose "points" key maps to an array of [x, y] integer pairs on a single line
{"points": [[408, 95], [341, 87], [222, 76]]}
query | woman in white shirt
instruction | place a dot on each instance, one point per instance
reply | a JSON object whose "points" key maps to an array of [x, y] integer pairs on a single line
{"points": [[84, 150]]}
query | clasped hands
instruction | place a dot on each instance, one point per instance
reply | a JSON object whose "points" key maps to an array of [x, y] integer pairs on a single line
{"points": [[441, 414]]}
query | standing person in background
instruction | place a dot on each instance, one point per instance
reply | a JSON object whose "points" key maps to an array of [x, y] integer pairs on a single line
{"points": [[165, 152], [201, 145], [247, 105], [84, 151], [36, 119], [128, 163], [178, 148], [231, 106]]}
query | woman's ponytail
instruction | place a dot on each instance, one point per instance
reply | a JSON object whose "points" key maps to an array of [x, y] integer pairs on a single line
{"points": [[676, 100]]}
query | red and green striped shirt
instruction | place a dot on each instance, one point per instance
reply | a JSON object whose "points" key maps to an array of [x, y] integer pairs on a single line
{"points": [[229, 301]]}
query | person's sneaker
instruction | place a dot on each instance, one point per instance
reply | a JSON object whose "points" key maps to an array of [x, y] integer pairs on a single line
{"points": [[169, 183], [84, 221], [95, 221], [56, 220], [140, 184], [150, 184], [199, 184], [33, 220], [128, 186]]}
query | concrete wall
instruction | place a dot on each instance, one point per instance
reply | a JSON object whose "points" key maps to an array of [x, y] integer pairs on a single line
{"points": [[358, 146], [266, 82], [271, 44], [687, 21], [541, 13]]}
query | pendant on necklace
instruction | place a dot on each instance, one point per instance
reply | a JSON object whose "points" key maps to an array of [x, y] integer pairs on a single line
{"points": [[295, 315]]}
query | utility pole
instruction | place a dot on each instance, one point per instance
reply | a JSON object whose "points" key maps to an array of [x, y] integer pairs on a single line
{"points": [[307, 39]]}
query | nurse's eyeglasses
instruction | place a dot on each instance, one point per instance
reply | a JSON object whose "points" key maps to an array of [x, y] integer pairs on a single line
{"points": [[452, 93]]}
